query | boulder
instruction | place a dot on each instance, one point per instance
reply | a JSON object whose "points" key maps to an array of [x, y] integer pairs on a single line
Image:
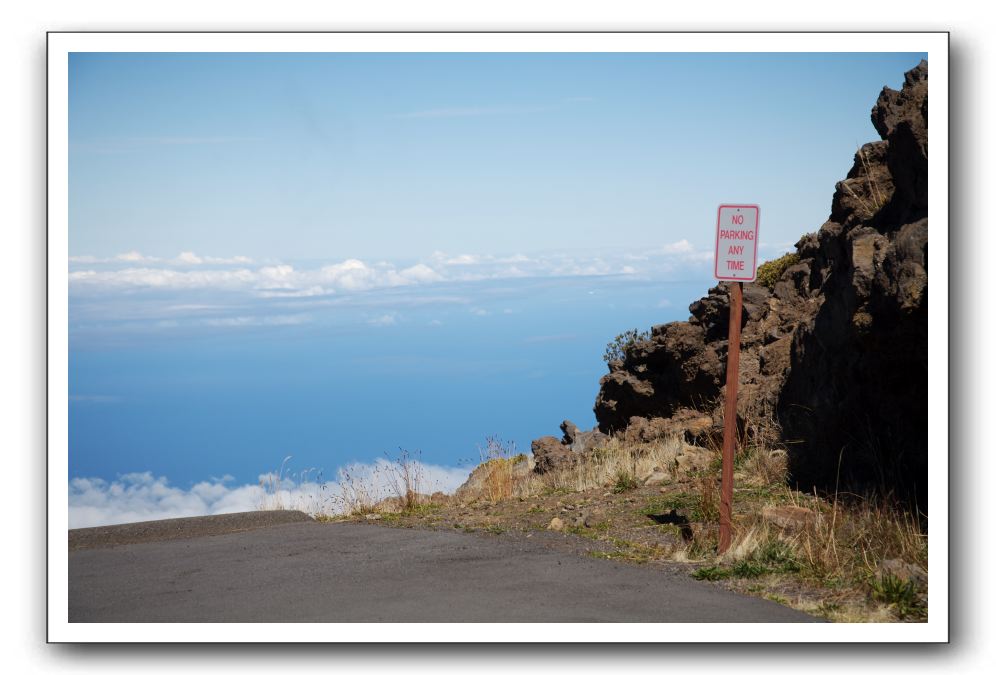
{"points": [[690, 425], [655, 476], [902, 570], [693, 459], [550, 453], [579, 441], [789, 518]]}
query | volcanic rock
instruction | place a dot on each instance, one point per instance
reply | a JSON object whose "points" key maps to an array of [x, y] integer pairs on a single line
{"points": [[834, 355], [550, 453]]}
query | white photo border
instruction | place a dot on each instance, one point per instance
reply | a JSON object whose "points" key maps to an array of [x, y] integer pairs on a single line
{"points": [[61, 44]]}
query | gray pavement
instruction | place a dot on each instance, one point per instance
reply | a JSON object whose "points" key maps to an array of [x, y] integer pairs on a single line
{"points": [[344, 572]]}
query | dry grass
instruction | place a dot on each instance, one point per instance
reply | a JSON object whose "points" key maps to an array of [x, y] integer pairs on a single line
{"points": [[848, 541], [614, 464], [876, 194], [394, 485], [406, 478], [355, 494], [274, 497], [838, 553], [498, 460]]}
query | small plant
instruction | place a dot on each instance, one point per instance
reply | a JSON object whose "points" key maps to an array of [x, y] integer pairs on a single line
{"points": [[708, 505], [619, 348], [779, 555], [273, 492], [405, 477], [828, 609], [770, 272], [900, 594], [624, 482], [712, 573], [873, 189], [748, 569]]}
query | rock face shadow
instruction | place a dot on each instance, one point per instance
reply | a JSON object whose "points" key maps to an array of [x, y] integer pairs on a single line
{"points": [[672, 517]]}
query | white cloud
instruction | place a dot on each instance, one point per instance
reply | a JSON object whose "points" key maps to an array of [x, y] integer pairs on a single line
{"points": [[384, 320], [190, 271], [142, 496], [277, 276], [273, 320], [154, 277], [355, 275], [132, 256], [682, 246], [189, 258], [309, 292], [464, 259], [421, 273]]}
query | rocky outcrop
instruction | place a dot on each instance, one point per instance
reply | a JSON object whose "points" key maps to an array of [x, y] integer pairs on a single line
{"points": [[550, 453], [835, 353], [692, 426]]}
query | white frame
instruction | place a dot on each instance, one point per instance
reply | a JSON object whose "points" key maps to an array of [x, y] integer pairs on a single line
{"points": [[61, 44]]}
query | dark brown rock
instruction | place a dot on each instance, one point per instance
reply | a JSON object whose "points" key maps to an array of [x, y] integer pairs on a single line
{"points": [[676, 368], [579, 441], [549, 453], [690, 425], [836, 353]]}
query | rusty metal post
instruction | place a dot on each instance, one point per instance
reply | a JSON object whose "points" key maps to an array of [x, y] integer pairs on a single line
{"points": [[730, 417]]}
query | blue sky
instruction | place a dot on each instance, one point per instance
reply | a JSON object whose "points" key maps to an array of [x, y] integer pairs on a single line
{"points": [[281, 156], [333, 256]]}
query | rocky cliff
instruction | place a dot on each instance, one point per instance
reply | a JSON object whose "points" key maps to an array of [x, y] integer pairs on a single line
{"points": [[835, 352]]}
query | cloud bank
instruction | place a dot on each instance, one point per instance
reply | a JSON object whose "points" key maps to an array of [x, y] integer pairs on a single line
{"points": [[132, 271], [136, 497]]}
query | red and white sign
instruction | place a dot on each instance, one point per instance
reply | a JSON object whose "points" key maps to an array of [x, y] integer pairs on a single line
{"points": [[736, 242]]}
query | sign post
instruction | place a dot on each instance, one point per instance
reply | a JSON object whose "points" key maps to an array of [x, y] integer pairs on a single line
{"points": [[736, 262]]}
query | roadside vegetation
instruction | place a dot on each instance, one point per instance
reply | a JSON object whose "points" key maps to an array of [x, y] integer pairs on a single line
{"points": [[657, 502], [770, 272]]}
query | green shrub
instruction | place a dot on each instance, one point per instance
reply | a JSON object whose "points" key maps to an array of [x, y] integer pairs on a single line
{"points": [[901, 595], [779, 555], [749, 569], [712, 573], [770, 272], [619, 348], [625, 481]]}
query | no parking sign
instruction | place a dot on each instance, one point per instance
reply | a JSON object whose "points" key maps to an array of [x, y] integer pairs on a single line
{"points": [[736, 242]]}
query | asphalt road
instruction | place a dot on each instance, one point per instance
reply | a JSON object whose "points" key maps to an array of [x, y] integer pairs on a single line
{"points": [[308, 571]]}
